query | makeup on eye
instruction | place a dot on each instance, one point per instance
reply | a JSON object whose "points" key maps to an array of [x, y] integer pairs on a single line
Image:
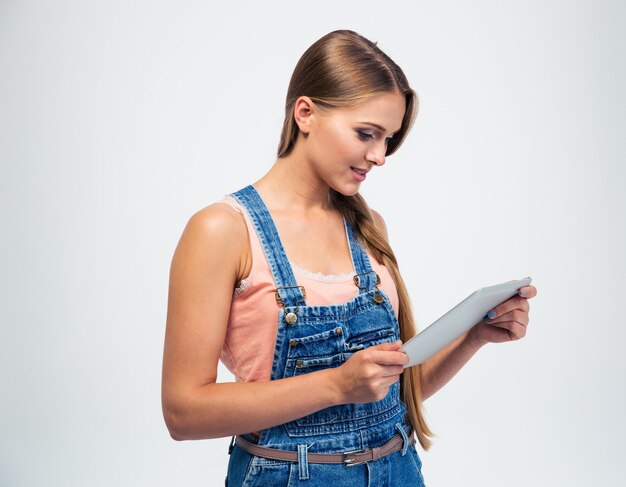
{"points": [[380, 128], [363, 135]]}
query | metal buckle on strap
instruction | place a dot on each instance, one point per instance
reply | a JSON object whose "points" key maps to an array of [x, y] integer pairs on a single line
{"points": [[349, 458], [357, 280], [280, 301]]}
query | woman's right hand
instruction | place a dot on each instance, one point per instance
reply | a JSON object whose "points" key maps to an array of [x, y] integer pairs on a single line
{"points": [[367, 375]]}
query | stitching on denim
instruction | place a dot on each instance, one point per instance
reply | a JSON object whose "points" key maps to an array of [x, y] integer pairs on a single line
{"points": [[303, 462]]}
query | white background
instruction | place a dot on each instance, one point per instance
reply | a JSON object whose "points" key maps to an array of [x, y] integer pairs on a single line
{"points": [[119, 120]]}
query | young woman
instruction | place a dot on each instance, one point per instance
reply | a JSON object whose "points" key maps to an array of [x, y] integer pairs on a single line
{"points": [[292, 283]]}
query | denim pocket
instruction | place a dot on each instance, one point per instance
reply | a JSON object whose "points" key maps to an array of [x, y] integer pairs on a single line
{"points": [[295, 366], [371, 338], [311, 342], [318, 345], [343, 418], [267, 472]]}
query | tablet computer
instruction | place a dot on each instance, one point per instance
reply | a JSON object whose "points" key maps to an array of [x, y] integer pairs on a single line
{"points": [[458, 320]]}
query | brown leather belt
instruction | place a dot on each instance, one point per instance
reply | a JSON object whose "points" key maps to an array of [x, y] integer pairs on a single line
{"points": [[348, 458]]}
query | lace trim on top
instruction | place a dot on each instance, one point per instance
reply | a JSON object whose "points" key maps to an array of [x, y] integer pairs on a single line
{"points": [[318, 276], [243, 286]]}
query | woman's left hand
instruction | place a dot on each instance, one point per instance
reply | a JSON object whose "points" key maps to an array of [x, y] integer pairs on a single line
{"points": [[508, 321]]}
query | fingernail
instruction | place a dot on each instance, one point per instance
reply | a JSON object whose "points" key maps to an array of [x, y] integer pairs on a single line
{"points": [[523, 293], [491, 315]]}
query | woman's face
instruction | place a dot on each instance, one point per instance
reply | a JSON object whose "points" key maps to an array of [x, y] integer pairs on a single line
{"points": [[344, 144]]}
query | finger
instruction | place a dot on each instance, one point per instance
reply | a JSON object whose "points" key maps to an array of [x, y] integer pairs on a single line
{"points": [[392, 370], [383, 357], [503, 335], [515, 302], [388, 381], [516, 315], [516, 330], [387, 346], [527, 292]]}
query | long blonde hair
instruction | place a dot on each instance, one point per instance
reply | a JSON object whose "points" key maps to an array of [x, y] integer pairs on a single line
{"points": [[342, 69]]}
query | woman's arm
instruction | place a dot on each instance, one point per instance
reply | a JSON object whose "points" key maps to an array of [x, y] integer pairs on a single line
{"points": [[509, 323], [441, 367], [209, 260]]}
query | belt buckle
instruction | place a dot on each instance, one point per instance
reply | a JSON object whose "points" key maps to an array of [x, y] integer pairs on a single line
{"points": [[349, 458]]}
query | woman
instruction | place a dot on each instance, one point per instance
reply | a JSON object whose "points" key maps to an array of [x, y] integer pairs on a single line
{"points": [[291, 282]]}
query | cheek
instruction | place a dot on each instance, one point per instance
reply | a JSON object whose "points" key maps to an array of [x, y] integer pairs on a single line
{"points": [[340, 147], [336, 146]]}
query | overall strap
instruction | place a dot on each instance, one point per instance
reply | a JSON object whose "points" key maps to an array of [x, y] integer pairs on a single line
{"points": [[288, 291], [365, 278]]}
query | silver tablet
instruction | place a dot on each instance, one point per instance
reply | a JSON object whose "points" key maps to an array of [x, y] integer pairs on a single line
{"points": [[458, 320]]}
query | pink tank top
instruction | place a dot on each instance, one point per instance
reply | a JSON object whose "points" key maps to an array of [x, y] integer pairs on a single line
{"points": [[248, 350]]}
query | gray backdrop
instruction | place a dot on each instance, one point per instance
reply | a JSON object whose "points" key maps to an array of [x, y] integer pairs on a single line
{"points": [[119, 120]]}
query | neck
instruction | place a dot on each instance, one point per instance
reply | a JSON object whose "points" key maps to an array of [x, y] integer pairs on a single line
{"points": [[292, 184]]}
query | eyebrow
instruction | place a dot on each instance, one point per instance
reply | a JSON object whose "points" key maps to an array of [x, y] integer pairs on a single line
{"points": [[379, 127]]}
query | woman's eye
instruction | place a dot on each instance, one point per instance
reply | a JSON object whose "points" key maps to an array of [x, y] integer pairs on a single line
{"points": [[365, 135]]}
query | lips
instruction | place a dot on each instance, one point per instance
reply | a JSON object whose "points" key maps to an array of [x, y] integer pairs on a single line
{"points": [[362, 172], [359, 174]]}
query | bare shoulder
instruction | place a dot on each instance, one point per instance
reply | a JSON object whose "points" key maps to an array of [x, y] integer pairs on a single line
{"points": [[216, 232], [380, 224], [217, 221]]}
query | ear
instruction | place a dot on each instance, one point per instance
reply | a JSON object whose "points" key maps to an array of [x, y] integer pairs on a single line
{"points": [[303, 113]]}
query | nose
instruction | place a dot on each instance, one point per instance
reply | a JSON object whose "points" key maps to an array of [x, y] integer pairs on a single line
{"points": [[376, 154]]}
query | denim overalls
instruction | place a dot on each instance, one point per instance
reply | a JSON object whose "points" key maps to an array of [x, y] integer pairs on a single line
{"points": [[312, 338]]}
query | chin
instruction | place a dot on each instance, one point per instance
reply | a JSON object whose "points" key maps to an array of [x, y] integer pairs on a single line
{"points": [[347, 190]]}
